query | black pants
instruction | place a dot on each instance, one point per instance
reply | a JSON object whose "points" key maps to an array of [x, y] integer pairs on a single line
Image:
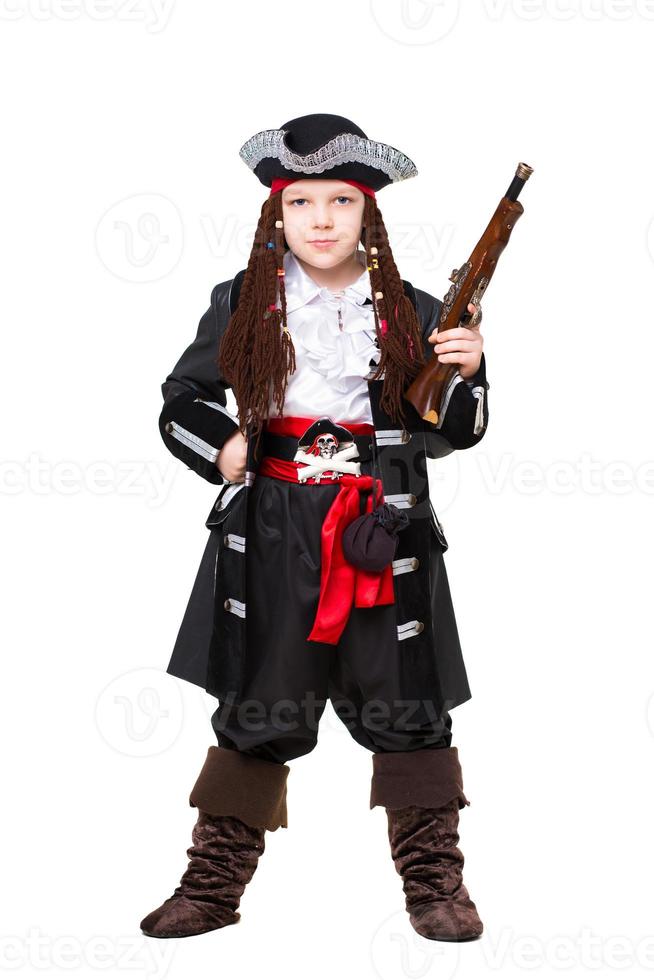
{"points": [[288, 679]]}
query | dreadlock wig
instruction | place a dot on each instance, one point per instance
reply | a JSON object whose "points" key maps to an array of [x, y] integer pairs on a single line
{"points": [[256, 351]]}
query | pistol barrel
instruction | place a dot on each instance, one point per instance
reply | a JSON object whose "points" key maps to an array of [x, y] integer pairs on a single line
{"points": [[522, 175]]}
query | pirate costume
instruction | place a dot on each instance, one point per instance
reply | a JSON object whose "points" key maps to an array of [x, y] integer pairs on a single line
{"points": [[323, 577]]}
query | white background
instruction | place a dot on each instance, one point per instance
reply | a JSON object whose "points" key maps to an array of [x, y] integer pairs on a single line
{"points": [[113, 112]]}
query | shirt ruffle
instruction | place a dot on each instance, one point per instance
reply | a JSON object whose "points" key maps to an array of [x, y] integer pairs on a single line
{"points": [[339, 356]]}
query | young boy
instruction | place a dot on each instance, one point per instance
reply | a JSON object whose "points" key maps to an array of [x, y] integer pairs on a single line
{"points": [[318, 340]]}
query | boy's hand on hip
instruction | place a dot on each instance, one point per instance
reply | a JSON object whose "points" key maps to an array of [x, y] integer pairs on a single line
{"points": [[232, 457]]}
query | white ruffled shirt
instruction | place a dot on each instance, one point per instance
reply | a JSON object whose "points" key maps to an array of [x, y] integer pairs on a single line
{"points": [[331, 364]]}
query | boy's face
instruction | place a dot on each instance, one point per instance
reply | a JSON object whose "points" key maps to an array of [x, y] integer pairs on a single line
{"points": [[322, 209]]}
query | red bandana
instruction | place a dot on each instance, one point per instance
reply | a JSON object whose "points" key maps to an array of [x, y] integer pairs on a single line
{"points": [[279, 183]]}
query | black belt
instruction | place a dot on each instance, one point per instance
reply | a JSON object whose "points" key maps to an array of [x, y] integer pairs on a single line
{"points": [[285, 447]]}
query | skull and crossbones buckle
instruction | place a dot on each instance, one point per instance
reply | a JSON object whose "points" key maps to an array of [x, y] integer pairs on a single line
{"points": [[327, 450]]}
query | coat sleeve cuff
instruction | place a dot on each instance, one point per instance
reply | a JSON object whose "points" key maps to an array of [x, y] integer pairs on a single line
{"points": [[463, 412], [195, 429], [194, 422]]}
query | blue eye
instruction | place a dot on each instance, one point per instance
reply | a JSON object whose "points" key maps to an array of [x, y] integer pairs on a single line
{"points": [[341, 197]]}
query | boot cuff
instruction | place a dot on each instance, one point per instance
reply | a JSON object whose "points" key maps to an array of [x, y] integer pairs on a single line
{"points": [[424, 777], [234, 784]]}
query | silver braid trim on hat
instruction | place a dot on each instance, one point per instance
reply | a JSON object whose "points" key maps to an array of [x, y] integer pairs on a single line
{"points": [[345, 148]]}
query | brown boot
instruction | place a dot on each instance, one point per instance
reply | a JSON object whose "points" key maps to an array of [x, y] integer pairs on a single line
{"points": [[223, 858], [422, 792], [238, 797]]}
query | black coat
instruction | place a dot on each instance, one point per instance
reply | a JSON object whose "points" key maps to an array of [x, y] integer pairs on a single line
{"points": [[194, 424]]}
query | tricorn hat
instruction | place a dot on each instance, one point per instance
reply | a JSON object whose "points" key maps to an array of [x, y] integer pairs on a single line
{"points": [[326, 147]]}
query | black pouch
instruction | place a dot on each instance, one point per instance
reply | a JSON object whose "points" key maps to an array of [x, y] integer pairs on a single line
{"points": [[370, 541]]}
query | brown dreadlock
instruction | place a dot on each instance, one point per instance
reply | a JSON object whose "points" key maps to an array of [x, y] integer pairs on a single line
{"points": [[256, 352]]}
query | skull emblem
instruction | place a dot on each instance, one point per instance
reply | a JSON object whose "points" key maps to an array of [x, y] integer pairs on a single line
{"points": [[323, 446], [327, 445]]}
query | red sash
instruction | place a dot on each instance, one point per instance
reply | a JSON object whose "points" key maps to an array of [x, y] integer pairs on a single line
{"points": [[341, 584]]}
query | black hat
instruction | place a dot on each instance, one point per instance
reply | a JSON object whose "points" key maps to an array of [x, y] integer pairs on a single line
{"points": [[325, 147]]}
